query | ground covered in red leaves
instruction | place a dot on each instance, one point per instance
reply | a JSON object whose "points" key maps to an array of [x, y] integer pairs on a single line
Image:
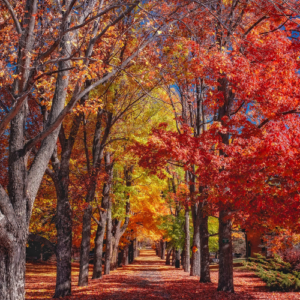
{"points": [[147, 278]]}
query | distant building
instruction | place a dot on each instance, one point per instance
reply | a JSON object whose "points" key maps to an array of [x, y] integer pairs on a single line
{"points": [[255, 243]]}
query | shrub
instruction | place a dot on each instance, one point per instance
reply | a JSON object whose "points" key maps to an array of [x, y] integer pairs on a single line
{"points": [[292, 256], [278, 274]]}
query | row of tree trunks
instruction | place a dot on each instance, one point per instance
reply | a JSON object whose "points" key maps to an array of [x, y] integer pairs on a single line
{"points": [[102, 223], [129, 253], [119, 230], [87, 215], [99, 141], [61, 181]]}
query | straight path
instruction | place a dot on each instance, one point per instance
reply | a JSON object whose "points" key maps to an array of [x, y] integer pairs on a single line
{"points": [[147, 278]]}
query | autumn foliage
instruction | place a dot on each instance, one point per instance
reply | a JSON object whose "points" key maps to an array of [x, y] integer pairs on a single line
{"points": [[125, 122]]}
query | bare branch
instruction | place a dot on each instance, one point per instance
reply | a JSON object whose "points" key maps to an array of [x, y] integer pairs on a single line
{"points": [[96, 221], [91, 19], [15, 109], [68, 11], [266, 121], [77, 96], [120, 17], [255, 24], [14, 16], [50, 173]]}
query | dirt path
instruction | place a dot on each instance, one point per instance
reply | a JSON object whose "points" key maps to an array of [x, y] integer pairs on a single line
{"points": [[147, 278]]}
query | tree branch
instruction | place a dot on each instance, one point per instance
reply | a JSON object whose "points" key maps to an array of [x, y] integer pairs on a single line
{"points": [[96, 221], [77, 95], [264, 122], [50, 173], [7, 209], [15, 109], [254, 25], [14, 16], [120, 17]]}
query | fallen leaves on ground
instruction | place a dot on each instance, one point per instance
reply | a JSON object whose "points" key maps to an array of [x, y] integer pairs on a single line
{"points": [[147, 278]]}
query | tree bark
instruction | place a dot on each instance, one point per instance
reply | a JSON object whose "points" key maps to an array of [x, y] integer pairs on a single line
{"points": [[118, 231], [64, 212], [114, 252], [85, 247], [12, 271], [61, 181], [173, 257], [204, 236], [97, 271], [130, 252], [63, 248], [135, 250], [108, 240], [125, 259], [158, 247], [177, 258], [163, 249], [225, 283], [87, 216], [168, 257], [186, 265], [195, 264]]}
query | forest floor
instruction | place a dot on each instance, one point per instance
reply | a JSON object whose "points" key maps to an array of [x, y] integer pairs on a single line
{"points": [[147, 278]]}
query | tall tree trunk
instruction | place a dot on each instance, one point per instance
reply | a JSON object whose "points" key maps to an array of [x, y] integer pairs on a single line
{"points": [[114, 252], [225, 242], [168, 257], [173, 257], [135, 250], [12, 271], [97, 272], [108, 241], [225, 283], [85, 247], [12, 249], [163, 249], [177, 258], [118, 231], [60, 177], [64, 243], [204, 236], [158, 247], [130, 252], [125, 259], [186, 265], [98, 148], [195, 264]]}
